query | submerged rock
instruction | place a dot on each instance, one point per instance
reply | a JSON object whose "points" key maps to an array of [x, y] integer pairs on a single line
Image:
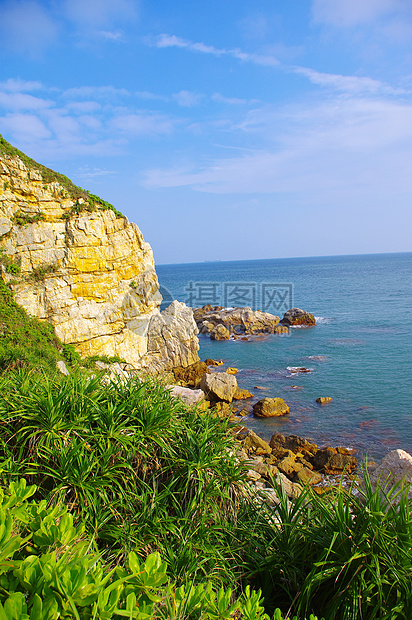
{"points": [[324, 400]]}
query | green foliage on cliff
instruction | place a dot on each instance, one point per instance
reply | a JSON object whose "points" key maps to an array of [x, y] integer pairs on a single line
{"points": [[26, 342], [69, 189]]}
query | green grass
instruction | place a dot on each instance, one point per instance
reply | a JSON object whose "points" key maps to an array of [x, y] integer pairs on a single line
{"points": [[139, 468], [68, 188]]}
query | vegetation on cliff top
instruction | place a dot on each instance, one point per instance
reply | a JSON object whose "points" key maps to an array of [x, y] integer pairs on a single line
{"points": [[84, 200]]}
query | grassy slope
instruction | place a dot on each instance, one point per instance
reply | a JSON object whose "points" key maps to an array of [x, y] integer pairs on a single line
{"points": [[25, 341]]}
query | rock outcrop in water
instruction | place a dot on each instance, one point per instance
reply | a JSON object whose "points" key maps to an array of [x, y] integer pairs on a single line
{"points": [[237, 321], [74, 261]]}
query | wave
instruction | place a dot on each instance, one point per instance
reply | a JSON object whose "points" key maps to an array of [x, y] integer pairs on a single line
{"points": [[322, 319]]}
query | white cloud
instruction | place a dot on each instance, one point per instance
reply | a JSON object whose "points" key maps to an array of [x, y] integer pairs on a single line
{"points": [[187, 99], [26, 26], [230, 100], [358, 149], [83, 106], [22, 101], [344, 13], [16, 85], [347, 83], [109, 35], [24, 128], [344, 83], [91, 173]]}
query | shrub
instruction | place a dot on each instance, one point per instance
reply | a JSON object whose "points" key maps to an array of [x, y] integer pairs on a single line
{"points": [[50, 570]]}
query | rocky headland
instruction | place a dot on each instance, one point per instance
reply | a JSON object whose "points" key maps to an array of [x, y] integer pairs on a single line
{"points": [[73, 260]]}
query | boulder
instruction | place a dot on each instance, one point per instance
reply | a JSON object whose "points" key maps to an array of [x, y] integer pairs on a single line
{"points": [[332, 463], [206, 327], [220, 332], [190, 375], [232, 371], [281, 329], [61, 366], [210, 362], [259, 467], [252, 475], [254, 442], [188, 396], [307, 476], [242, 394], [293, 443], [292, 489], [219, 386], [296, 316], [172, 335], [396, 467], [289, 467], [324, 400], [270, 407]]}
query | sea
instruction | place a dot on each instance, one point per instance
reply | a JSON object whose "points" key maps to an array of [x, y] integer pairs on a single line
{"points": [[359, 353]]}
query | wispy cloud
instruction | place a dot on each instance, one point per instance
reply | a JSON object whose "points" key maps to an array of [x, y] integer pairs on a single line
{"points": [[232, 100], [358, 148], [347, 83], [344, 83], [187, 99], [167, 40]]}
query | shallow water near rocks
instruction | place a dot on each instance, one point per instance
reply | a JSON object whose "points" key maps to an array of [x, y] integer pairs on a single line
{"points": [[359, 353]]}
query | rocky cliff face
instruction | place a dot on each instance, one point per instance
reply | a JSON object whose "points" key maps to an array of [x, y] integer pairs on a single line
{"points": [[73, 261]]}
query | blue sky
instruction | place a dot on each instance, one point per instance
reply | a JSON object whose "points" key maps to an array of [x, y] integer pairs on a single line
{"points": [[225, 129]]}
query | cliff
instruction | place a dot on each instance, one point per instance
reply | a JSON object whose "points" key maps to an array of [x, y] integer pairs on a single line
{"points": [[74, 261]]}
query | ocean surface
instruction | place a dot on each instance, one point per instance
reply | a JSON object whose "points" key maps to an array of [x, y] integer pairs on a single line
{"points": [[359, 353]]}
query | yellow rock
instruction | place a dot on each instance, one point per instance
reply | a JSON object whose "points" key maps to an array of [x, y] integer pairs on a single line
{"points": [[232, 371]]}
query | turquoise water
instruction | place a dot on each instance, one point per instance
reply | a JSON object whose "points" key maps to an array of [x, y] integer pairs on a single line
{"points": [[360, 352]]}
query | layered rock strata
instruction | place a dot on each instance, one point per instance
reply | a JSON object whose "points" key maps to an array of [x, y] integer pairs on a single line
{"points": [[87, 270]]}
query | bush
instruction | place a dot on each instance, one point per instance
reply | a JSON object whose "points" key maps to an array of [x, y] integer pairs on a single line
{"points": [[50, 570]]}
